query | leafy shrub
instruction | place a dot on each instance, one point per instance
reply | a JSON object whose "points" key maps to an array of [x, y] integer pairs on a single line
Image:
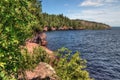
{"points": [[17, 21], [71, 67], [30, 61]]}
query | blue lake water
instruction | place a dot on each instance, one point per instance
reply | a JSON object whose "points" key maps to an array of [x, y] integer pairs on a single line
{"points": [[101, 49]]}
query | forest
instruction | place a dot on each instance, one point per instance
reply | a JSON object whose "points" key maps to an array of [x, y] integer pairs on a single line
{"points": [[61, 22]]}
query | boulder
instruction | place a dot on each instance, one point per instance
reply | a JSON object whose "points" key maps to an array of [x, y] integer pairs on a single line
{"points": [[45, 28], [43, 40], [65, 27], [70, 28], [60, 28], [44, 43], [41, 72], [39, 38], [53, 28], [42, 36]]}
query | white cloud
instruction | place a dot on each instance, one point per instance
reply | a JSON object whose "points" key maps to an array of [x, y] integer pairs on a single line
{"points": [[91, 3], [110, 1], [97, 3], [104, 11], [107, 16], [94, 12]]}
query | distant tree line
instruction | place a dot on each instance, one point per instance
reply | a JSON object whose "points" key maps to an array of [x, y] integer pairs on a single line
{"points": [[61, 22]]}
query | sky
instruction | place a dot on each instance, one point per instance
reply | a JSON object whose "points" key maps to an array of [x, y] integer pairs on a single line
{"points": [[104, 11]]}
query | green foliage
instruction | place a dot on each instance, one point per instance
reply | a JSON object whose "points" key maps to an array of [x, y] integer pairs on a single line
{"points": [[17, 21], [30, 60], [71, 67], [58, 21]]}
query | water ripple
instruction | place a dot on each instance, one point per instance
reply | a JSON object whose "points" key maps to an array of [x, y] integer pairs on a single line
{"points": [[101, 49]]}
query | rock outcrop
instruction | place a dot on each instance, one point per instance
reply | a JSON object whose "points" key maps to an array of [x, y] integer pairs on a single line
{"points": [[41, 72], [45, 28], [43, 40], [31, 46], [53, 29], [39, 38]]}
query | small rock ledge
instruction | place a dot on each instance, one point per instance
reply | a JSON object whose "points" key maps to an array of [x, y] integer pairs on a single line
{"points": [[42, 72]]}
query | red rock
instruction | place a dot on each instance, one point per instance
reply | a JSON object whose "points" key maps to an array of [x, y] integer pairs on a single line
{"points": [[53, 28], [45, 28], [42, 71], [43, 43], [42, 36]]}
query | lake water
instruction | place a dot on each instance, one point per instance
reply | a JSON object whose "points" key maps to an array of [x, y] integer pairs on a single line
{"points": [[101, 49]]}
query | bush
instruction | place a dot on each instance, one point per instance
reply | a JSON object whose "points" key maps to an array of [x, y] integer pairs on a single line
{"points": [[16, 23], [29, 61], [71, 67]]}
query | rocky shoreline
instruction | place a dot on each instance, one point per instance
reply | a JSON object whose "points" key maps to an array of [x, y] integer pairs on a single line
{"points": [[43, 71], [61, 28], [88, 25]]}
